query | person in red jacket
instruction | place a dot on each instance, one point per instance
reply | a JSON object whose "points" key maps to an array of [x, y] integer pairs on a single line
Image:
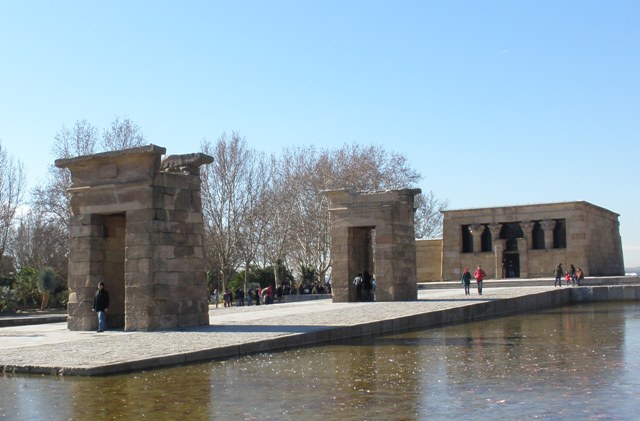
{"points": [[479, 276]]}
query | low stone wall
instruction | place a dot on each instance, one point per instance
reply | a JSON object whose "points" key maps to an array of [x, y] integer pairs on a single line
{"points": [[605, 293], [305, 297], [548, 299]]}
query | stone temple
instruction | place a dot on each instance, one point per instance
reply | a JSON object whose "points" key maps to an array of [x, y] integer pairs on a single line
{"points": [[136, 225], [525, 241]]}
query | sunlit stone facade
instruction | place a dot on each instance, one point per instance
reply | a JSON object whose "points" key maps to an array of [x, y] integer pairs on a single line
{"points": [[136, 225], [525, 241]]}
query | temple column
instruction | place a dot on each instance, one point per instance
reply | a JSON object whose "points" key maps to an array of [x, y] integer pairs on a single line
{"points": [[476, 231], [547, 226], [527, 230], [498, 249], [523, 256]]}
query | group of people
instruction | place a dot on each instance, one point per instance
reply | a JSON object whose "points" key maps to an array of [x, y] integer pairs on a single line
{"points": [[266, 295], [365, 285], [260, 295], [572, 277], [478, 275]]}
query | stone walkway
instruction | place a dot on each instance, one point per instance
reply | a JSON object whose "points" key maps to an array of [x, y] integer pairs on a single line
{"points": [[52, 349]]}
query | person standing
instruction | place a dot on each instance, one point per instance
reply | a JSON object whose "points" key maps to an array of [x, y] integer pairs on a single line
{"points": [[357, 281], [572, 272], [100, 306], [479, 275], [579, 276], [466, 281], [374, 284], [367, 286], [216, 296], [559, 274]]}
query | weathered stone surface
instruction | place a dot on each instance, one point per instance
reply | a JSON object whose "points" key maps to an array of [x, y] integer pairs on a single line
{"points": [[373, 232], [577, 233], [189, 163], [137, 226]]}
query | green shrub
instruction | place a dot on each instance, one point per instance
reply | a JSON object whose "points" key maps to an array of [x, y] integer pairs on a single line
{"points": [[8, 302], [26, 288], [59, 299]]}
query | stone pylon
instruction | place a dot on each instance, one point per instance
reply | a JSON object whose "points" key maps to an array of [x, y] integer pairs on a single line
{"points": [[136, 225], [373, 232]]}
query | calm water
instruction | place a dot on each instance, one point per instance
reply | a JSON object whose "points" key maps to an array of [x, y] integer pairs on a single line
{"points": [[579, 362]]}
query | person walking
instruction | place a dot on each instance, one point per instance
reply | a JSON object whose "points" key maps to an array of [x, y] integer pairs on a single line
{"points": [[466, 281], [559, 273], [479, 275], [100, 306]]}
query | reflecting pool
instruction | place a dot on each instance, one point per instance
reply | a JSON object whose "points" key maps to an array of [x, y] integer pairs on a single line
{"points": [[570, 363]]}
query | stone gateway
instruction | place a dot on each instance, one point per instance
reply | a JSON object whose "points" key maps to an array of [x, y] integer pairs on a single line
{"points": [[136, 225], [373, 232]]}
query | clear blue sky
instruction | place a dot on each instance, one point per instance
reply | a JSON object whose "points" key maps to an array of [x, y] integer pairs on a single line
{"points": [[494, 102]]}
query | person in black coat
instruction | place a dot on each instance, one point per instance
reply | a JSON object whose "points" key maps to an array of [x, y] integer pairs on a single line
{"points": [[100, 306]]}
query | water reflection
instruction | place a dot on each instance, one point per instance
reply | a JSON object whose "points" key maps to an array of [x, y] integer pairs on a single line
{"points": [[575, 362]]}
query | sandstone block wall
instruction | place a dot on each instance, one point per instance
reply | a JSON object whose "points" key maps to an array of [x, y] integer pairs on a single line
{"points": [[137, 226], [373, 231], [591, 234]]}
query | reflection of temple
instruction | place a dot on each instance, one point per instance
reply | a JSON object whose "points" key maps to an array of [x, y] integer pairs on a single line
{"points": [[524, 242]]}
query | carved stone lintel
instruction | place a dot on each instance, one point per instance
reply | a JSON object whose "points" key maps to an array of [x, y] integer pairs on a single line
{"points": [[188, 163]]}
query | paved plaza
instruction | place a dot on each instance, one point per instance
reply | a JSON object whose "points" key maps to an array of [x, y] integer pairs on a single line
{"points": [[48, 347], [53, 349]]}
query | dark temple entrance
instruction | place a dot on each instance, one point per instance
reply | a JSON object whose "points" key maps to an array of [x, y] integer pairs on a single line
{"points": [[112, 265], [362, 251], [511, 265]]}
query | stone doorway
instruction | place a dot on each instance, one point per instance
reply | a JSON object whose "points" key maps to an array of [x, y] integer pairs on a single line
{"points": [[362, 252], [373, 231], [112, 265], [511, 265]]}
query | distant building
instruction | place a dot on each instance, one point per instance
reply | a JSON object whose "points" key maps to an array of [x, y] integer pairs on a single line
{"points": [[524, 242]]}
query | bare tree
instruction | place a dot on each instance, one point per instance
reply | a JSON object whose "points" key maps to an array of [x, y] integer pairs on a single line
{"points": [[307, 242], [40, 242], [12, 184], [51, 201], [282, 201], [352, 166], [363, 168], [224, 194], [428, 217], [255, 218], [81, 139], [122, 135]]}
